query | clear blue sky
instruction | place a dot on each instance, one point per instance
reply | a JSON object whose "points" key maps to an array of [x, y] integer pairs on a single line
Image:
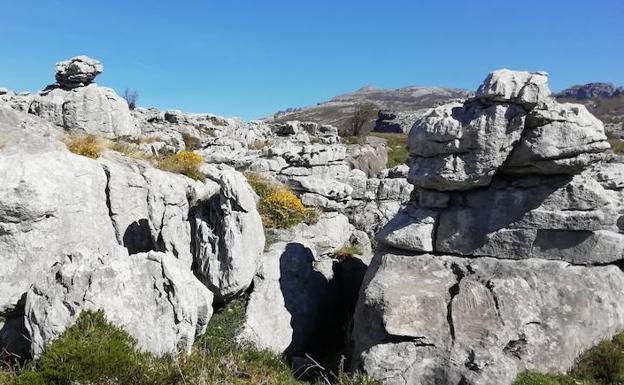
{"points": [[252, 58]]}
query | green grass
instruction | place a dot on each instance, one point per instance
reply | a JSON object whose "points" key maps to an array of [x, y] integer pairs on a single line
{"points": [[397, 145], [95, 352], [601, 365]]}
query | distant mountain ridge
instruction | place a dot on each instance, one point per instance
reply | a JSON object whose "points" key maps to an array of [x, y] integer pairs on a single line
{"points": [[604, 100], [591, 90], [339, 110]]}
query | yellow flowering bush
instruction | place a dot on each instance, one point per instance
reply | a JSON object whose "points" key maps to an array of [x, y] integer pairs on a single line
{"points": [[280, 208], [86, 145], [184, 162]]}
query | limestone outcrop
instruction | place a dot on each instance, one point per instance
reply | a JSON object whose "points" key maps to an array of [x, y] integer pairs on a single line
{"points": [[506, 257], [153, 296]]}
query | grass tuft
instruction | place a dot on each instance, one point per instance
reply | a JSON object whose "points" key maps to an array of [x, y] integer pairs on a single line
{"points": [[87, 145], [184, 162]]}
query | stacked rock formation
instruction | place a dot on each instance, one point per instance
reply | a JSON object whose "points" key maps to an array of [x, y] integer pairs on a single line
{"points": [[506, 258]]}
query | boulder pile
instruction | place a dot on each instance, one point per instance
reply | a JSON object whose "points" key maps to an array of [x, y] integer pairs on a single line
{"points": [[507, 257]]}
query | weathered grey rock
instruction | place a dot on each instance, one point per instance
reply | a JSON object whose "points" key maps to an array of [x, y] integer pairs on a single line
{"points": [[289, 292], [432, 319], [90, 109], [148, 207], [78, 71], [529, 89], [459, 147], [228, 235], [51, 201], [564, 217], [331, 232], [153, 296], [328, 188], [370, 156], [563, 139], [412, 229]]}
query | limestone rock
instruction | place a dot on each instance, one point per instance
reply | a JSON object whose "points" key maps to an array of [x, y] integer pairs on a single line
{"points": [[458, 147], [370, 156], [78, 71], [432, 319], [525, 88], [566, 138], [228, 235], [153, 296], [51, 201], [90, 109]]}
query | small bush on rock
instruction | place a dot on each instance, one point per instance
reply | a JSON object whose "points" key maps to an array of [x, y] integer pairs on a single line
{"points": [[86, 145], [184, 162], [280, 208]]}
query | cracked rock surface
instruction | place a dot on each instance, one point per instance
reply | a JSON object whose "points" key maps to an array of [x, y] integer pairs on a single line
{"points": [[507, 258]]}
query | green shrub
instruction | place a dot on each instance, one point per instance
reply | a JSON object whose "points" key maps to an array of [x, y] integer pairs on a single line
{"points": [[184, 162], [603, 363], [95, 352], [91, 351], [86, 145]]}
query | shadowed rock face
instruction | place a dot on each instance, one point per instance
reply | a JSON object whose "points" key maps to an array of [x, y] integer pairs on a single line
{"points": [[488, 270]]}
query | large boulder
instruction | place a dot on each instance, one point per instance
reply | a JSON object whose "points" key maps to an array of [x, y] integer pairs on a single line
{"points": [[438, 320], [90, 109], [458, 147], [506, 258], [51, 201], [153, 296], [228, 234], [78, 71]]}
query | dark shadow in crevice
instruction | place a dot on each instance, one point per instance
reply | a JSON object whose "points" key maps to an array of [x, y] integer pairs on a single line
{"points": [[14, 340], [138, 238]]}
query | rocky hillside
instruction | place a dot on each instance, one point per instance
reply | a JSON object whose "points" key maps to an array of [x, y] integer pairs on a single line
{"points": [[604, 100], [339, 110], [496, 249]]}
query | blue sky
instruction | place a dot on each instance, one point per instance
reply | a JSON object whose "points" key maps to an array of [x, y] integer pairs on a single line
{"points": [[252, 58]]}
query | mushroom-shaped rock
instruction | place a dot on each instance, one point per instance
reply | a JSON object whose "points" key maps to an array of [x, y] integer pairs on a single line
{"points": [[77, 72]]}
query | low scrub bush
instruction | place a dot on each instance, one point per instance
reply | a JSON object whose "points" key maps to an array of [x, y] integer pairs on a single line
{"points": [[87, 145], [280, 208], [184, 162]]}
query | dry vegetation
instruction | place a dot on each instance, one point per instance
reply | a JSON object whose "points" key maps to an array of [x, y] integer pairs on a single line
{"points": [[278, 206], [91, 146], [184, 162]]}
